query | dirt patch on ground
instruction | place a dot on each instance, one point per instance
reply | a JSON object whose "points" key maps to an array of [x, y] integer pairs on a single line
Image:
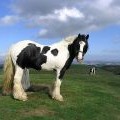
{"points": [[38, 112]]}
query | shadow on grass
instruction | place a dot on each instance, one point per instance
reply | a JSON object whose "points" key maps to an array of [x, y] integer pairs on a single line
{"points": [[40, 88], [36, 88]]}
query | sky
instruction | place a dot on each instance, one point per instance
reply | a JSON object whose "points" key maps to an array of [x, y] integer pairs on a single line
{"points": [[49, 21]]}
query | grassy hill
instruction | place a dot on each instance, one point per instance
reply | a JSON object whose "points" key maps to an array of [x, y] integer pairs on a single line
{"points": [[112, 68], [86, 97]]}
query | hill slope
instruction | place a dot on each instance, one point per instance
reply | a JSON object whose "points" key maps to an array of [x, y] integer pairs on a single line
{"points": [[85, 97]]}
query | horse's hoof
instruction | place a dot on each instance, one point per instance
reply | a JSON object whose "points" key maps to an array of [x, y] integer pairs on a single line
{"points": [[58, 98], [21, 98], [24, 98]]}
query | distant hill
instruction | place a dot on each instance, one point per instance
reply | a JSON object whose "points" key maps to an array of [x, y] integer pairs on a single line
{"points": [[2, 58], [112, 68], [1, 66], [102, 62]]}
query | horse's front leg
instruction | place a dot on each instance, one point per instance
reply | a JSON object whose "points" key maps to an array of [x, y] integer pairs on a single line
{"points": [[56, 88]]}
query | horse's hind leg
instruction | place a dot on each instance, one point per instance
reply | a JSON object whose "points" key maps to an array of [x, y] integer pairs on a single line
{"points": [[18, 91], [25, 79]]}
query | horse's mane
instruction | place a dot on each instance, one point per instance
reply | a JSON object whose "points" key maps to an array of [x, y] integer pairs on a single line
{"points": [[66, 41], [69, 39]]}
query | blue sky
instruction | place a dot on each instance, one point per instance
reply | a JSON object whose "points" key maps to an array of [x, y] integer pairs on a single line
{"points": [[48, 22]]}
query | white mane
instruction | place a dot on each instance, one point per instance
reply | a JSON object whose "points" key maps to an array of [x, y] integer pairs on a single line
{"points": [[66, 41], [70, 39]]}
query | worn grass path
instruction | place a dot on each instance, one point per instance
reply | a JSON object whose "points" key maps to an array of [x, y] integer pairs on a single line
{"points": [[85, 97]]}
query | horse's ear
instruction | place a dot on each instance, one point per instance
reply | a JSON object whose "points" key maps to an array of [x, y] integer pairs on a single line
{"points": [[79, 35], [87, 36]]}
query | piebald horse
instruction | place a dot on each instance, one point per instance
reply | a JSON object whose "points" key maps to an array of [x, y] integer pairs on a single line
{"points": [[29, 54]]}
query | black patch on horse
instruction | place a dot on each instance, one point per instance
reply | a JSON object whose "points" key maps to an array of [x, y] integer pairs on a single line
{"points": [[73, 52], [30, 57], [54, 52], [45, 49]]}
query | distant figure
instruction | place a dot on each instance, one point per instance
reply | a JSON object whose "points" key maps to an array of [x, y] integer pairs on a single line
{"points": [[92, 71]]}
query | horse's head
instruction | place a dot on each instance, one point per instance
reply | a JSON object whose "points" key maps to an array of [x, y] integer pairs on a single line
{"points": [[81, 46]]}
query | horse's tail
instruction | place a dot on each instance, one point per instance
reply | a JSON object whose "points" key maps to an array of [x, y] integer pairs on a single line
{"points": [[9, 71]]}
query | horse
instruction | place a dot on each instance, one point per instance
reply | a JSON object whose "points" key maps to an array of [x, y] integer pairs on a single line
{"points": [[28, 54], [92, 71]]}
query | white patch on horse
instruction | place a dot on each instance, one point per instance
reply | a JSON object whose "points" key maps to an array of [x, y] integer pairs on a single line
{"points": [[80, 54], [54, 62]]}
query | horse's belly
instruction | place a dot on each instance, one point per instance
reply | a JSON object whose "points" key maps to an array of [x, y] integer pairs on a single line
{"points": [[53, 64]]}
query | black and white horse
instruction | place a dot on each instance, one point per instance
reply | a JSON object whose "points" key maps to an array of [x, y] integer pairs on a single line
{"points": [[28, 54], [92, 71]]}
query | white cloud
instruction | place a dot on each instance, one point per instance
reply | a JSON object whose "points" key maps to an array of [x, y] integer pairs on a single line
{"points": [[9, 20], [61, 18], [64, 13], [102, 4], [42, 32]]}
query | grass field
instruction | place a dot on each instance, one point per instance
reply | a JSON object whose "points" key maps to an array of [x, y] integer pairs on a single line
{"points": [[85, 97]]}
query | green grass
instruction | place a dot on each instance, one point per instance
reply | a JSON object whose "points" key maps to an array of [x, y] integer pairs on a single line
{"points": [[85, 97]]}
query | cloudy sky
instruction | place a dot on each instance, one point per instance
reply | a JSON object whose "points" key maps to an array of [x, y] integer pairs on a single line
{"points": [[48, 21]]}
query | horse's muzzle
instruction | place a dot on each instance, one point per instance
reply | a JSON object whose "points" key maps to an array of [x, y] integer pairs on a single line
{"points": [[79, 60]]}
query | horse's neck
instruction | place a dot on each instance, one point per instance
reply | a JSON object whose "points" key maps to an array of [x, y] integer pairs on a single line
{"points": [[70, 48], [67, 44]]}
